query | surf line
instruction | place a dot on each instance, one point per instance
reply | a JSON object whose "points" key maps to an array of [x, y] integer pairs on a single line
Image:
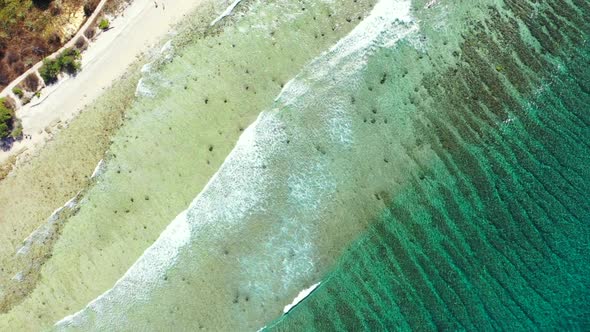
{"points": [[300, 297], [227, 12], [431, 3]]}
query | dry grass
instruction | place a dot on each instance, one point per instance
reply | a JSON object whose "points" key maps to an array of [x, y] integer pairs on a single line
{"points": [[114, 7]]}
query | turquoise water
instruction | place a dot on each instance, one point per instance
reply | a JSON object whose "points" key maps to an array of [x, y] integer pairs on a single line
{"points": [[494, 234], [431, 170]]}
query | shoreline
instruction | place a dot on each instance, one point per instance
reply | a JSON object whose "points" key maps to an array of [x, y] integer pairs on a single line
{"points": [[137, 29]]}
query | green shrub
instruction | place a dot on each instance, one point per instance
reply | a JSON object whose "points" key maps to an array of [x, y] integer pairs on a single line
{"points": [[6, 120], [104, 24], [50, 70], [18, 92], [4, 130], [68, 61]]}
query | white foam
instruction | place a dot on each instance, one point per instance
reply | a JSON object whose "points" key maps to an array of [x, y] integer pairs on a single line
{"points": [[98, 170], [150, 81], [300, 297], [167, 47], [72, 202], [42, 236], [388, 22], [19, 277], [167, 51], [226, 12], [340, 125], [288, 254], [142, 90], [146, 68], [310, 185], [47, 229], [147, 271], [431, 3], [149, 268]]}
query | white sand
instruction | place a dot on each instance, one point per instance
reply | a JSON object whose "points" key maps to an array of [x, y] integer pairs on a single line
{"points": [[139, 28]]}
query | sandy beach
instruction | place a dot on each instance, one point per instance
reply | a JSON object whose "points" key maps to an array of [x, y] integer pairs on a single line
{"points": [[140, 26]]}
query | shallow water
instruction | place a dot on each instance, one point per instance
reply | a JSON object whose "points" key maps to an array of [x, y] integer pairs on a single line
{"points": [[205, 88]]}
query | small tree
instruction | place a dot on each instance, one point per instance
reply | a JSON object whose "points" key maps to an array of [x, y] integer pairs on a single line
{"points": [[31, 82], [50, 71], [81, 43], [9, 103], [6, 119], [89, 7], [104, 24], [42, 4], [4, 129], [89, 33], [69, 61], [17, 131], [18, 92]]}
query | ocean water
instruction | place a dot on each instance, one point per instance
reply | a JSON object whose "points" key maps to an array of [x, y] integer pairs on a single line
{"points": [[430, 169], [493, 232]]}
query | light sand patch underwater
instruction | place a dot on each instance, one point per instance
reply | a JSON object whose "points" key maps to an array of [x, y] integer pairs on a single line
{"points": [[204, 95]]}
